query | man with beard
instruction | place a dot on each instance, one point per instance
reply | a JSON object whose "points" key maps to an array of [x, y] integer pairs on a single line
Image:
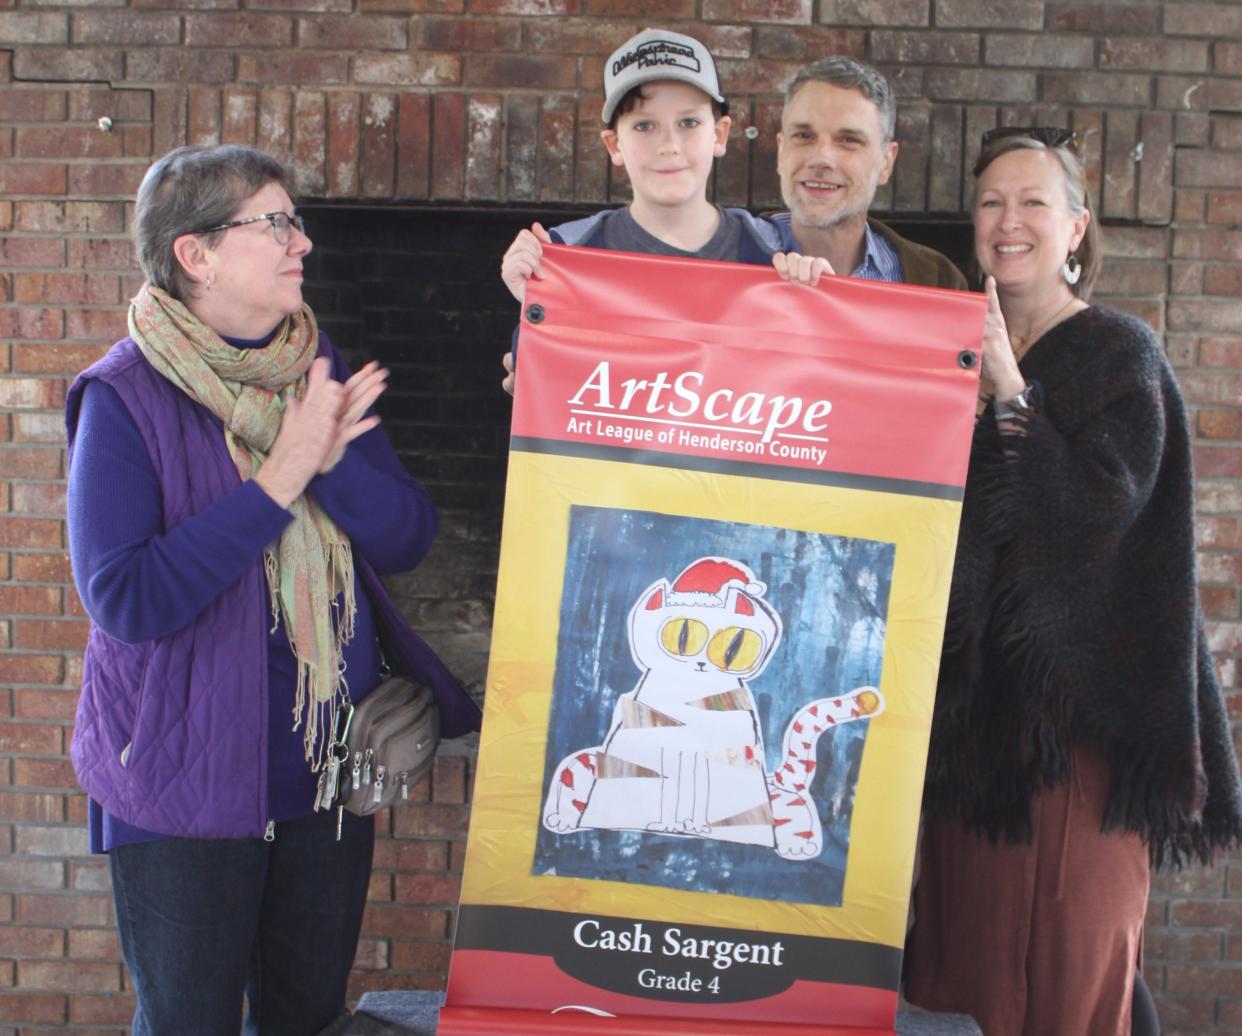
{"points": [[834, 149]]}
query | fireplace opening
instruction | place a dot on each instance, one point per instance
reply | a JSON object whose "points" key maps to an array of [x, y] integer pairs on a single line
{"points": [[419, 290]]}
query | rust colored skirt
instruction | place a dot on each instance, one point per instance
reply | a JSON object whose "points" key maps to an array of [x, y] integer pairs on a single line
{"points": [[1039, 939]]}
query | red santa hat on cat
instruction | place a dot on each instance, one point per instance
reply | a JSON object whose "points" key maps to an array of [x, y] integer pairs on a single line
{"points": [[715, 577]]}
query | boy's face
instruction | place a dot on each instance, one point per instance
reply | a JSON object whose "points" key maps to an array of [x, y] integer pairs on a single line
{"points": [[667, 143], [831, 155]]}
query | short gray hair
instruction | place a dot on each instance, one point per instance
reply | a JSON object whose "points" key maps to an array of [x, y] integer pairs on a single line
{"points": [[189, 189], [850, 74]]}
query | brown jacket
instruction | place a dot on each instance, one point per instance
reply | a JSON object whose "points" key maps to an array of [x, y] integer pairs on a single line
{"points": [[920, 264]]}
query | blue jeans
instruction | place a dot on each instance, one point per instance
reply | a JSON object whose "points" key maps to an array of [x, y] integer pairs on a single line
{"points": [[205, 921]]}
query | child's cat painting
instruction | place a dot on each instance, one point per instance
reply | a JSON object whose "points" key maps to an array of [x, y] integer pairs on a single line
{"points": [[684, 752]]}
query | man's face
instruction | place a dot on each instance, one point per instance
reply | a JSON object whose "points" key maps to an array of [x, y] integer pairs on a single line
{"points": [[831, 155]]}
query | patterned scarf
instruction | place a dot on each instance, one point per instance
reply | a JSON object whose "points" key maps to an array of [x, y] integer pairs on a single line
{"points": [[311, 564]]}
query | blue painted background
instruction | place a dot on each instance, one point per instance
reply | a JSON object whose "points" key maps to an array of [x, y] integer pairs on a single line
{"points": [[832, 596]]}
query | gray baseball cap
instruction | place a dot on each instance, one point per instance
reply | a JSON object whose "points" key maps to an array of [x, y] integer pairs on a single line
{"points": [[659, 54]]}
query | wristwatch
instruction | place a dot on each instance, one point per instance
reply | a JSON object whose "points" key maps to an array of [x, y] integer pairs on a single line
{"points": [[1018, 406]]}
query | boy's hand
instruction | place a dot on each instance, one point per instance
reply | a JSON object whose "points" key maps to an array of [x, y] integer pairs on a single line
{"points": [[507, 363], [521, 261], [800, 269]]}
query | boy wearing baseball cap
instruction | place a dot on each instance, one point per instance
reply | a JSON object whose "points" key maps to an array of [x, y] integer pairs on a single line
{"points": [[666, 123]]}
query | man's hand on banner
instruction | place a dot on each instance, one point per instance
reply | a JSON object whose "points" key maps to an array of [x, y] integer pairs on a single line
{"points": [[800, 269], [521, 261]]}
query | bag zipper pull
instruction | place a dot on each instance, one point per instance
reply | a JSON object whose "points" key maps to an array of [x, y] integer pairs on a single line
{"points": [[355, 774], [366, 768], [405, 788], [269, 832], [379, 784]]}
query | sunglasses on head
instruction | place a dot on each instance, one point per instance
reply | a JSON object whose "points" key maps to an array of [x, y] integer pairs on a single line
{"points": [[1049, 136]]}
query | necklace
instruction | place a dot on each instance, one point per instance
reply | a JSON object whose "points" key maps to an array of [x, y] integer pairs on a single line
{"points": [[1021, 343]]}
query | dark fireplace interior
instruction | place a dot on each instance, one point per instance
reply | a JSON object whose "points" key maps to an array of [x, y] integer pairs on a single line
{"points": [[419, 290]]}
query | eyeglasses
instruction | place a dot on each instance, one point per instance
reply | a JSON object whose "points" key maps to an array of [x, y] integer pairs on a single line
{"points": [[1049, 136], [280, 223]]}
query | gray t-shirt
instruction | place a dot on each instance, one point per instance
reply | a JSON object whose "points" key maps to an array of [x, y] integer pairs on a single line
{"points": [[622, 232]]}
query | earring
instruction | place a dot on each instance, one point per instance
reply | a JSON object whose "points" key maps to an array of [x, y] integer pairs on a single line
{"points": [[211, 280], [1071, 269]]}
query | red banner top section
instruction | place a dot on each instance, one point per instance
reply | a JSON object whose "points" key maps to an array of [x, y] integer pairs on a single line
{"points": [[725, 361]]}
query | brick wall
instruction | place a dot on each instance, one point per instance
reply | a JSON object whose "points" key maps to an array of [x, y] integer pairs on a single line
{"points": [[452, 103]]}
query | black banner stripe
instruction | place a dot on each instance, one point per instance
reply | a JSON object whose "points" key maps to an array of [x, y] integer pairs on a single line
{"points": [[625, 954], [745, 469]]}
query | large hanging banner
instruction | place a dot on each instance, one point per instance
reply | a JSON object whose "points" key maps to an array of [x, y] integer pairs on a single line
{"points": [[729, 528]]}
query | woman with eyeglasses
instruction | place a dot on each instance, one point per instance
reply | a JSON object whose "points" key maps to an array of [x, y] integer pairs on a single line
{"points": [[1079, 732], [231, 503]]}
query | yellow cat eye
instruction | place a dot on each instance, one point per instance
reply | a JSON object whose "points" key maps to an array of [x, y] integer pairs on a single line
{"points": [[683, 636], [735, 650]]}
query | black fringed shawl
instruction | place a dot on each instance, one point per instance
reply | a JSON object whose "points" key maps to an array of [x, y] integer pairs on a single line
{"points": [[1074, 616]]}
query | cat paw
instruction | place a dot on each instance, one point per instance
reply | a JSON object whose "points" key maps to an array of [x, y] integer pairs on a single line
{"points": [[801, 851], [560, 823]]}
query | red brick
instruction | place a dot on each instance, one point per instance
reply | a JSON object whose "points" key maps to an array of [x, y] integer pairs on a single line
{"points": [[292, 67], [1212, 244], [1227, 58], [1220, 424], [31, 393], [32, 874], [406, 922], [1212, 20], [874, 12], [171, 118], [64, 910], [275, 124], [1104, 17], [448, 145], [37, 105], [73, 976], [31, 322], [41, 568], [527, 71], [240, 117], [30, 600], [111, 180], [28, 806], [528, 8], [1015, 14], [1039, 50], [203, 116], [379, 889], [102, 1010], [402, 854], [459, 35], [50, 635], [363, 982], [95, 944], [353, 33], [428, 889], [31, 669], [125, 28], [1108, 88], [95, 254], [55, 359], [925, 48], [411, 6], [1158, 55], [29, 462], [1221, 352], [46, 429], [309, 141], [67, 141], [521, 128], [168, 65], [343, 145], [789, 12], [85, 877], [238, 30], [88, 103], [34, 1008], [66, 288], [967, 84], [33, 27], [31, 251], [379, 145], [28, 942], [60, 64], [43, 703], [1208, 170], [1204, 978], [420, 956], [431, 821], [371, 955], [484, 126], [100, 325], [69, 217], [320, 6]]}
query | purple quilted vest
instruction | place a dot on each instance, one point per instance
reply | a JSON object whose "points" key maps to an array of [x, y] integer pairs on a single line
{"points": [[171, 734]]}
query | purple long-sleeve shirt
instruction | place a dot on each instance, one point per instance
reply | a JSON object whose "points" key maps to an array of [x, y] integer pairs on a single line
{"points": [[139, 581]]}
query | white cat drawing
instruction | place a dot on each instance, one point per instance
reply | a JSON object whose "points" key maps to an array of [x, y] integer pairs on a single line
{"points": [[684, 752]]}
